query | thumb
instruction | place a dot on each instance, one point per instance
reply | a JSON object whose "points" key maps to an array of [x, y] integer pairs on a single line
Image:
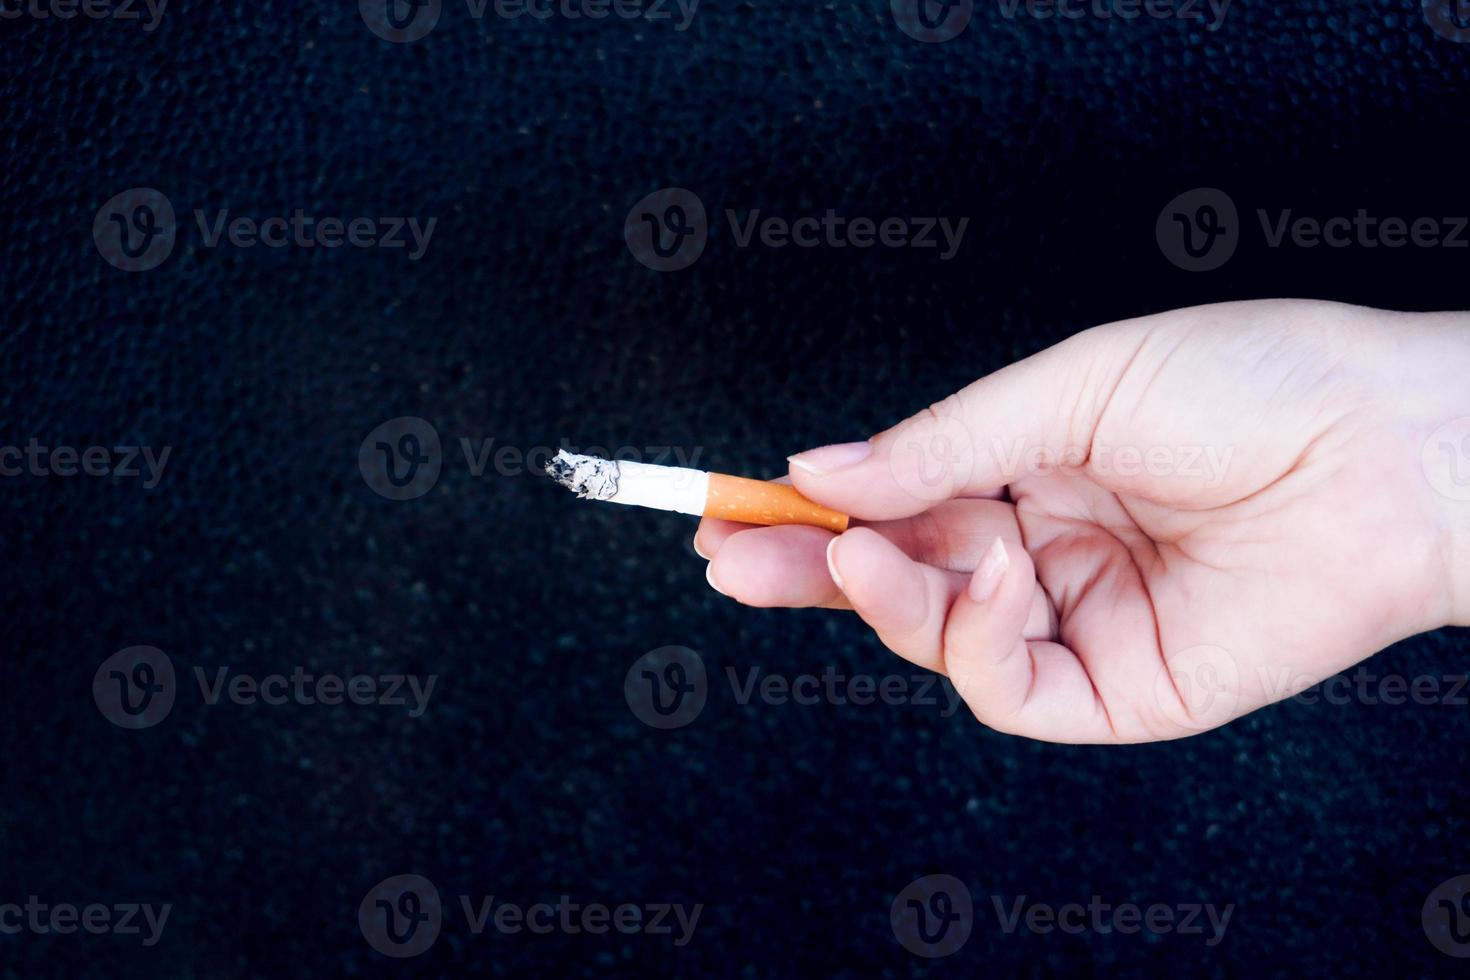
{"points": [[978, 440]]}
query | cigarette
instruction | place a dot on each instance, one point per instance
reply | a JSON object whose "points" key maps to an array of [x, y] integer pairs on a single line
{"points": [[689, 491]]}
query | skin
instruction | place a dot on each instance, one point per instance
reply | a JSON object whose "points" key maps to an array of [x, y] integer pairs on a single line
{"points": [[1154, 527]]}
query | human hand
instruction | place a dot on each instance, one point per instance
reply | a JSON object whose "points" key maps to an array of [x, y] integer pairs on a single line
{"points": [[1155, 526]]}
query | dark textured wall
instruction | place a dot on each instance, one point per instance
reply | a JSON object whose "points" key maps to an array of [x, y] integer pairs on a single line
{"points": [[528, 321]]}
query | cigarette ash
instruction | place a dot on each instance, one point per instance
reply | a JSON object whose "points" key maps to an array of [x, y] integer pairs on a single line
{"points": [[587, 476]]}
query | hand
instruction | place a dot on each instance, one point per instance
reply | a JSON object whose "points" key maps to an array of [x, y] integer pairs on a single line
{"points": [[1153, 527]]}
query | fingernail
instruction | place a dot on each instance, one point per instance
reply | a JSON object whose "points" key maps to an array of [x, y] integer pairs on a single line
{"points": [[709, 576], [831, 565], [830, 459], [697, 549], [992, 569]]}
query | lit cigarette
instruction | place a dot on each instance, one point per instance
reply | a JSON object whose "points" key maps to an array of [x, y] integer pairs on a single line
{"points": [[687, 491]]}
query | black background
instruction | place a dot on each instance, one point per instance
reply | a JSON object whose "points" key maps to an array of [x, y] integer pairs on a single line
{"points": [[528, 321]]}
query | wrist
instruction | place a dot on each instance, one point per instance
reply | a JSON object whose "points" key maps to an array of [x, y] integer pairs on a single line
{"points": [[1446, 459], [1432, 380]]}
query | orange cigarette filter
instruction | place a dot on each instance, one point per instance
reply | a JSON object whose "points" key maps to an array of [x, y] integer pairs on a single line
{"points": [[690, 491], [735, 498]]}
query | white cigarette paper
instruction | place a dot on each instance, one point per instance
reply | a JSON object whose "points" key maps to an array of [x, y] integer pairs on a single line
{"points": [[672, 488]]}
